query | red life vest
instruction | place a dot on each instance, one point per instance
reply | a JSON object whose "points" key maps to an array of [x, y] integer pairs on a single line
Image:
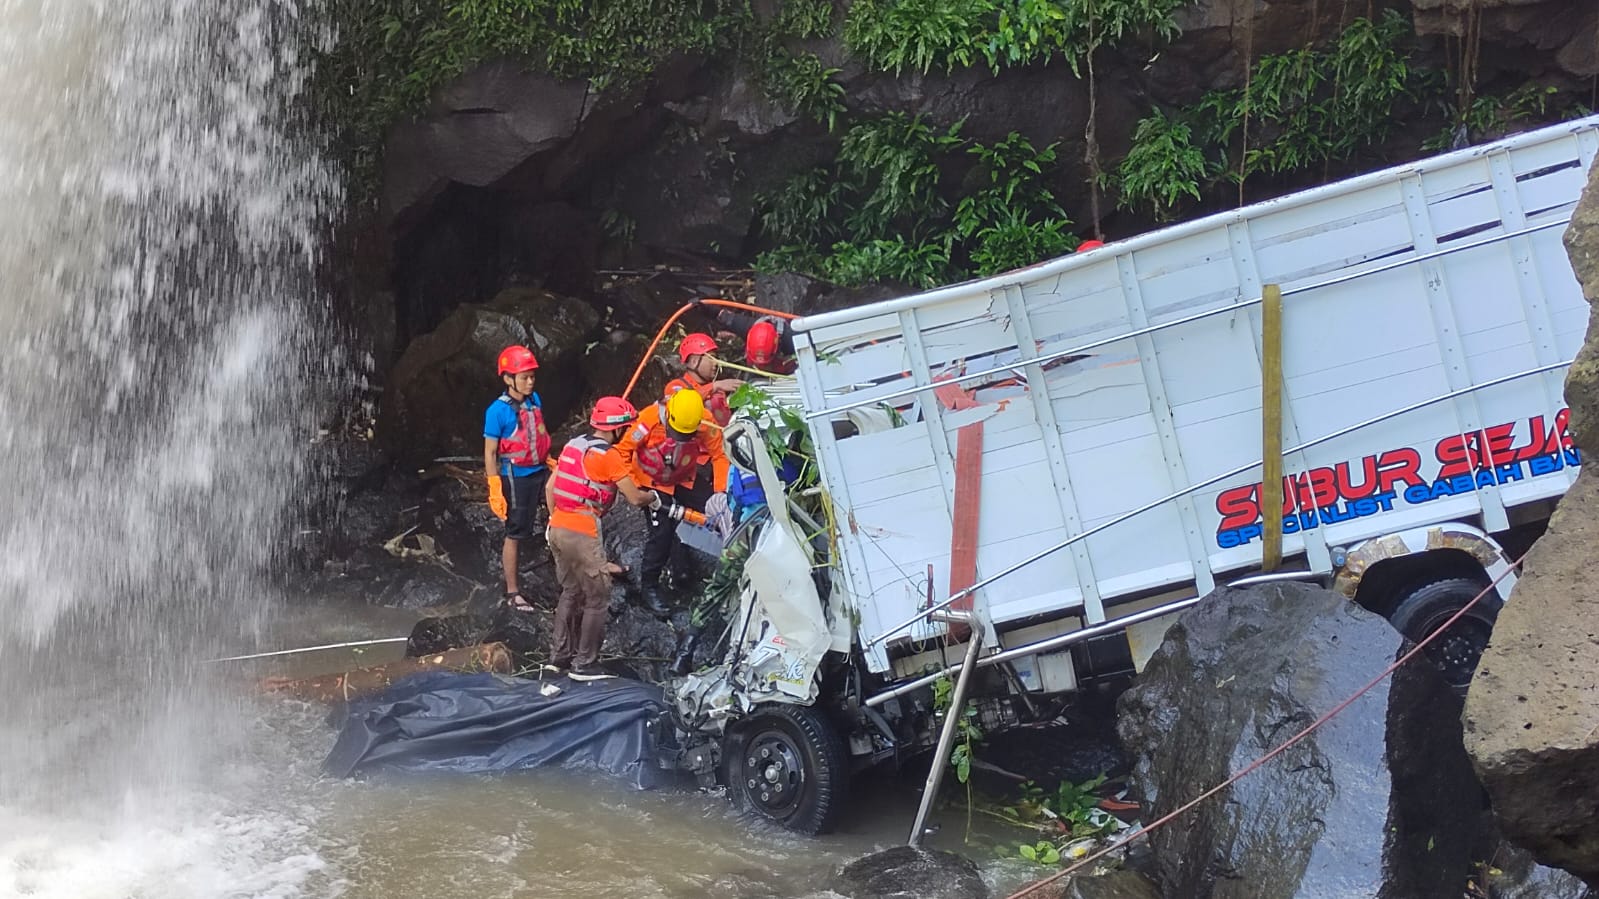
{"points": [[574, 490], [529, 444], [669, 462], [715, 400]]}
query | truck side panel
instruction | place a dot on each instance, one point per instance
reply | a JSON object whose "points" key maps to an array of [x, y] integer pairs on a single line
{"points": [[1119, 379]]}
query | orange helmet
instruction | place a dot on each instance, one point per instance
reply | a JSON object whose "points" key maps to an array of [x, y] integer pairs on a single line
{"points": [[760, 345], [517, 359], [695, 345], [1087, 245], [612, 412]]}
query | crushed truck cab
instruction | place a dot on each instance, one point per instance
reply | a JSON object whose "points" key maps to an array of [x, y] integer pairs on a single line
{"points": [[1059, 459]]}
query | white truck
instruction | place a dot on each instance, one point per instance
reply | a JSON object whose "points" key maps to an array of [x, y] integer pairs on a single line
{"points": [[1073, 453]]}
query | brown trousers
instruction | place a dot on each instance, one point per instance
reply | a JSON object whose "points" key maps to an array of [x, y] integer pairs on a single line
{"points": [[585, 602]]}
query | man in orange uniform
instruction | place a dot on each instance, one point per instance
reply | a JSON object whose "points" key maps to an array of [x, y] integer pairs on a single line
{"points": [[588, 475], [665, 450], [698, 353]]}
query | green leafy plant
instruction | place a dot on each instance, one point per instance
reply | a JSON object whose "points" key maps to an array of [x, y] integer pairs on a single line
{"points": [[803, 83], [805, 19], [1492, 116], [1163, 168], [895, 35]]}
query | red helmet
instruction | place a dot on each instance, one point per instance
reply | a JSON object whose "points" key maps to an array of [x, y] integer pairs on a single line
{"points": [[612, 412], [760, 345], [695, 345], [517, 359], [1087, 245]]}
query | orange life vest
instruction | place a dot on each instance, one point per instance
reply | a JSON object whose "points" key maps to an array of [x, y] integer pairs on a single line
{"points": [[715, 400], [529, 444], [666, 461], [574, 490]]}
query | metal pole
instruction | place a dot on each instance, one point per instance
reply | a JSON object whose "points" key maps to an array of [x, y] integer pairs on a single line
{"points": [[290, 652], [946, 739]]}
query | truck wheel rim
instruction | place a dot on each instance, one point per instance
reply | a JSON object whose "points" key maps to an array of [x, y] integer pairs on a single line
{"points": [[773, 773], [1455, 652]]}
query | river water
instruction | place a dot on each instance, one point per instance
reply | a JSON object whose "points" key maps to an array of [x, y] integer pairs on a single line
{"points": [[164, 357]]}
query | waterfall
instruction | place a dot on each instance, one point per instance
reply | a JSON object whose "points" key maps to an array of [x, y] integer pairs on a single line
{"points": [[163, 354]]}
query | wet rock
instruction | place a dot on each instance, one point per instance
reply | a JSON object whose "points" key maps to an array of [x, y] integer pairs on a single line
{"points": [[1582, 382], [1514, 874], [907, 873], [1379, 802], [1531, 711], [445, 379], [1563, 34], [479, 128]]}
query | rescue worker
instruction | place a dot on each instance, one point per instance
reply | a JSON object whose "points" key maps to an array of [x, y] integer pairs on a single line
{"points": [[588, 475], [768, 340], [515, 443], [665, 449], [698, 354], [710, 610]]}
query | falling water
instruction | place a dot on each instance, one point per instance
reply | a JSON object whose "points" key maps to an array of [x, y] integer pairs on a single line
{"points": [[160, 364]]}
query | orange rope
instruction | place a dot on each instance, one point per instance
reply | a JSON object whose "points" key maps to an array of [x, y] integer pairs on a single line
{"points": [[1283, 747], [731, 304]]}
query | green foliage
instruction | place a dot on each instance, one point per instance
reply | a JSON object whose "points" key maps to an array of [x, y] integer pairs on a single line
{"points": [[1301, 109], [968, 733], [879, 213], [925, 34], [1493, 116], [895, 35], [390, 56], [784, 432], [1162, 168], [803, 83], [805, 19], [893, 163], [1307, 107]]}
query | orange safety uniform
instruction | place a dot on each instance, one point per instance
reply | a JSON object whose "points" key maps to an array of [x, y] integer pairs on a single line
{"points": [[715, 400], [584, 484], [657, 461]]}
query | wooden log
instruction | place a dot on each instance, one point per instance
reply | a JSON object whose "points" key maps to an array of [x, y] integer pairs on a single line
{"points": [[363, 682]]}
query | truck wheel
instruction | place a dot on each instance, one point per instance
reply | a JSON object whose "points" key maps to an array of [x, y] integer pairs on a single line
{"points": [[1456, 652], [787, 764]]}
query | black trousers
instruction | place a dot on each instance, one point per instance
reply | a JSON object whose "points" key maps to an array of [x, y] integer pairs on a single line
{"points": [[662, 537]]}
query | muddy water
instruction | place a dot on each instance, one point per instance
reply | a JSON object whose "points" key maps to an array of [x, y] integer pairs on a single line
{"points": [[536, 834]]}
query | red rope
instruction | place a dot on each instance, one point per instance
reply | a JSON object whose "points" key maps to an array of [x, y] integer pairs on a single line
{"points": [[731, 304], [1279, 750]]}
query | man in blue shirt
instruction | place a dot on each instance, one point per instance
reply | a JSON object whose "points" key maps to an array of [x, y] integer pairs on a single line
{"points": [[515, 445]]}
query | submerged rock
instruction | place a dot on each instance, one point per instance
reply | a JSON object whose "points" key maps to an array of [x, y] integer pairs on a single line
{"points": [[907, 873], [1380, 802]]}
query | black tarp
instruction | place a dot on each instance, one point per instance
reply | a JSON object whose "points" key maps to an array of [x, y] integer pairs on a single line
{"points": [[475, 723]]}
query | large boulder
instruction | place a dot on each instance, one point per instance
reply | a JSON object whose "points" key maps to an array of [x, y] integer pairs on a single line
{"points": [[1379, 802], [1558, 34], [478, 129], [445, 379], [1532, 714]]}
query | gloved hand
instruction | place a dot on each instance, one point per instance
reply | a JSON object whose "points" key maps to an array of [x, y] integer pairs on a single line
{"points": [[719, 515], [655, 502], [497, 498]]}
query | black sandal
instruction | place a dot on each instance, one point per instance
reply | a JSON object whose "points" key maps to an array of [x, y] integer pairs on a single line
{"points": [[516, 602]]}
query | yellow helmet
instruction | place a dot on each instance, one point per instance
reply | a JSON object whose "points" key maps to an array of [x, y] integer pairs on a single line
{"points": [[685, 409]]}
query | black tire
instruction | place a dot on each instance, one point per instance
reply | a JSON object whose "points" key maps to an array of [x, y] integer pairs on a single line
{"points": [[796, 762], [1456, 652]]}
